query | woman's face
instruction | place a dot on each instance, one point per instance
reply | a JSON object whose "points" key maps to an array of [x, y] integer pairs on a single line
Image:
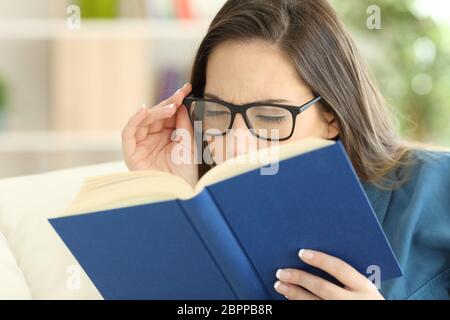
{"points": [[242, 73]]}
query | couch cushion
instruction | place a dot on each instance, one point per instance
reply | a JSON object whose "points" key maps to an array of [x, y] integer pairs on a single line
{"points": [[26, 203], [13, 283]]}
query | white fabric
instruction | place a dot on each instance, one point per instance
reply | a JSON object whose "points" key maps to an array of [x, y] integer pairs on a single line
{"points": [[12, 282], [34, 262]]}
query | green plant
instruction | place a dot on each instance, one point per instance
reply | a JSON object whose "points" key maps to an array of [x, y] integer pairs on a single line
{"points": [[410, 57], [3, 97], [99, 9]]}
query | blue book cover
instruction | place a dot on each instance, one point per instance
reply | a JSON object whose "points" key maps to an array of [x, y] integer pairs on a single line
{"points": [[227, 241]]}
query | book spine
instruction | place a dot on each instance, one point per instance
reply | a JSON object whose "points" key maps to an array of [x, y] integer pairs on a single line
{"points": [[224, 248], [182, 9]]}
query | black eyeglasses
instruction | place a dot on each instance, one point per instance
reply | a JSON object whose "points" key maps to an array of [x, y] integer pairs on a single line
{"points": [[271, 122]]}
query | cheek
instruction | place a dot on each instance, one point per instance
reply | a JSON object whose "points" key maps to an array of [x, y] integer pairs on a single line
{"points": [[310, 124]]}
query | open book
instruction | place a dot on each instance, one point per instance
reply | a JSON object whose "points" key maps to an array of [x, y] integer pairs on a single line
{"points": [[150, 235]]}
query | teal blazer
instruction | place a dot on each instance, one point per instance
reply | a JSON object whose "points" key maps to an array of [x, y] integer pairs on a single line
{"points": [[416, 220]]}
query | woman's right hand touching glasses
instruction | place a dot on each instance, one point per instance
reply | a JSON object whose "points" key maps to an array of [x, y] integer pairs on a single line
{"points": [[147, 139]]}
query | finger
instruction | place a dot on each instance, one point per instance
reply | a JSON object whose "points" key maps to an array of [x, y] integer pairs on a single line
{"points": [[142, 131], [141, 134], [158, 113], [133, 123], [130, 129], [144, 118], [316, 285], [183, 121], [154, 122], [182, 118], [184, 127], [177, 98], [339, 269], [179, 95], [293, 292]]}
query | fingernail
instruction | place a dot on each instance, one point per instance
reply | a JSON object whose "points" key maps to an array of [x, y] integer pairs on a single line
{"points": [[283, 274], [280, 287], [183, 87], [141, 108], [306, 254]]}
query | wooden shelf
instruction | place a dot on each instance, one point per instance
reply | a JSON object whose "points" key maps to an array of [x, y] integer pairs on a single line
{"points": [[150, 29], [53, 141]]}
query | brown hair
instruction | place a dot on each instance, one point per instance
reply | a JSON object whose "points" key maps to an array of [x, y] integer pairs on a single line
{"points": [[311, 36]]}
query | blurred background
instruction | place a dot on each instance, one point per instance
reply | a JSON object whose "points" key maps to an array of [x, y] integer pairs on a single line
{"points": [[73, 72]]}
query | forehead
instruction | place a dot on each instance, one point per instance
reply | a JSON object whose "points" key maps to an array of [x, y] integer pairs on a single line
{"points": [[245, 71]]}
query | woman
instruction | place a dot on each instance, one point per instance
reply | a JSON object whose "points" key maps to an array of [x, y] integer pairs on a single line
{"points": [[284, 53]]}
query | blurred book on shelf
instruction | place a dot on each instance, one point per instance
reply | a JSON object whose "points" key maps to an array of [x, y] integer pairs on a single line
{"points": [[158, 9], [132, 9], [97, 84], [99, 9], [170, 80], [183, 9]]}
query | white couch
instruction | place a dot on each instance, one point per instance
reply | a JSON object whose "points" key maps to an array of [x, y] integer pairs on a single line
{"points": [[34, 262]]}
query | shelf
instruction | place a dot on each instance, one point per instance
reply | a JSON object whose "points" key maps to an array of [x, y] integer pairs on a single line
{"points": [[52, 141], [149, 29]]}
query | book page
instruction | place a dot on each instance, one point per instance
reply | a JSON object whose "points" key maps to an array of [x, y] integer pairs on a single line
{"points": [[128, 189]]}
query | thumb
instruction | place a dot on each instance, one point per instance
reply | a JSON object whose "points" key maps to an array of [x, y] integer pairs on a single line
{"points": [[185, 132], [183, 122]]}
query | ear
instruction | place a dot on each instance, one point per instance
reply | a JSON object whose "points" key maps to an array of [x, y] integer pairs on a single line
{"points": [[332, 125]]}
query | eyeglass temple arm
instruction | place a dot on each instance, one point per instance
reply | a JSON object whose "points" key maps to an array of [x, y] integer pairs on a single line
{"points": [[310, 104]]}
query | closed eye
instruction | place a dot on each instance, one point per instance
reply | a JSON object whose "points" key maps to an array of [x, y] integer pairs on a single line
{"points": [[212, 113], [271, 119]]}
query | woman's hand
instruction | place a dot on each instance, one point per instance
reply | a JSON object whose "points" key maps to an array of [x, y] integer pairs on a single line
{"points": [[148, 142], [299, 285]]}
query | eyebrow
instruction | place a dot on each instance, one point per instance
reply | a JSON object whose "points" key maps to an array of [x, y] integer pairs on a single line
{"points": [[270, 101]]}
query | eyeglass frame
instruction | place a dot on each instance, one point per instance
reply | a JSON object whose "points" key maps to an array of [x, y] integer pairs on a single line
{"points": [[242, 110]]}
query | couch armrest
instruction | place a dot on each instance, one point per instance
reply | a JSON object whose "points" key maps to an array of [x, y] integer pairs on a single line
{"points": [[26, 204], [13, 283]]}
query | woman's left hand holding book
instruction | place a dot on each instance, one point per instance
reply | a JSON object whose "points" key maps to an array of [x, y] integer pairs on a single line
{"points": [[297, 284]]}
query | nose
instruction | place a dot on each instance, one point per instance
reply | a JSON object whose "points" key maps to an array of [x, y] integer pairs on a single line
{"points": [[242, 140], [239, 124]]}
